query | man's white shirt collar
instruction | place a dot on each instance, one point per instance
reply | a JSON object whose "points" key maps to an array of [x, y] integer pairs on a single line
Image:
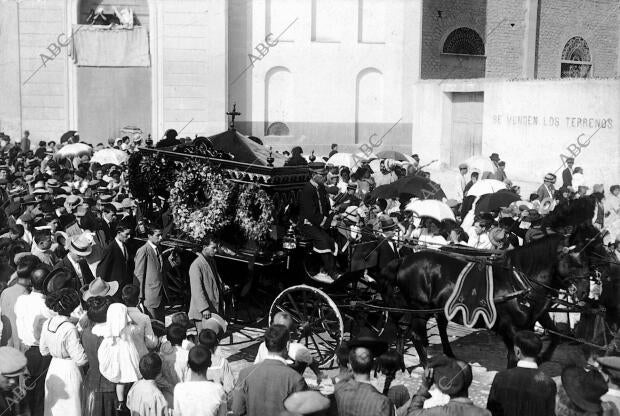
{"points": [[527, 364], [275, 357]]}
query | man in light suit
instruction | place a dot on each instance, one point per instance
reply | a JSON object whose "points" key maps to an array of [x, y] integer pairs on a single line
{"points": [[207, 288], [149, 271]]}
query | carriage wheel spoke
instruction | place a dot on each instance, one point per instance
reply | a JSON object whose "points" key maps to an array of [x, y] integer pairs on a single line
{"points": [[291, 313], [294, 304], [304, 303], [321, 338], [316, 346]]}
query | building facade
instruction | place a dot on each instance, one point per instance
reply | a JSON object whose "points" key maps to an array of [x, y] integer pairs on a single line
{"points": [[421, 75]]}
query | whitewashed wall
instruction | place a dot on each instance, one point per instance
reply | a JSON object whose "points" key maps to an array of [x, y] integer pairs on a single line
{"points": [[555, 114], [188, 53]]}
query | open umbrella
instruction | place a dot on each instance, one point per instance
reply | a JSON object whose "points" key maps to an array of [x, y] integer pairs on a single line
{"points": [[495, 201], [109, 156], [343, 159], [486, 186], [417, 186], [431, 208], [72, 150], [385, 191], [420, 187], [393, 154], [67, 135], [480, 164]]}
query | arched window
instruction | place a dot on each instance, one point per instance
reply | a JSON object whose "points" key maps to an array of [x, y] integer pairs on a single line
{"points": [[576, 59], [464, 41], [277, 129]]}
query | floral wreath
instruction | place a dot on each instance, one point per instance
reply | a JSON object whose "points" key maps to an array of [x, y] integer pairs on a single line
{"points": [[199, 201], [254, 212]]}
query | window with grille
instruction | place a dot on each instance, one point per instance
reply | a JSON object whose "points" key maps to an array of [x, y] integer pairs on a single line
{"points": [[576, 59], [464, 41]]}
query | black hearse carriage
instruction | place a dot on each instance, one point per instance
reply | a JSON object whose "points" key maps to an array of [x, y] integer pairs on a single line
{"points": [[256, 271]]}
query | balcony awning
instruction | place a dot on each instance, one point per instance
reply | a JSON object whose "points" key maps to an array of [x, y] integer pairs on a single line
{"points": [[104, 46]]}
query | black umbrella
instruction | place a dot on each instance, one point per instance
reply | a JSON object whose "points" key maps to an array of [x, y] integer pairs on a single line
{"points": [[385, 191], [66, 136], [496, 201], [417, 186]]}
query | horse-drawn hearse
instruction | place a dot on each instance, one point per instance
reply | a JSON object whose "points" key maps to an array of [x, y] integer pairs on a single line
{"points": [[236, 188]]}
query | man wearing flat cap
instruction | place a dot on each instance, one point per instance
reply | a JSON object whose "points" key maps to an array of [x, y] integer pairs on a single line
{"points": [[315, 219], [12, 367]]}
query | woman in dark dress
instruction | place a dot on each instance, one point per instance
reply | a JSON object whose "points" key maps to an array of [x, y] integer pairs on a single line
{"points": [[99, 394]]}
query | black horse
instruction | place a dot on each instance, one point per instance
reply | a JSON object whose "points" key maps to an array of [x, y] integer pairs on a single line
{"points": [[426, 279]]}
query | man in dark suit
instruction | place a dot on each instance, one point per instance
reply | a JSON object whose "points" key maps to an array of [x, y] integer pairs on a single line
{"points": [[387, 247], [315, 219], [149, 272], [75, 263], [116, 263], [567, 174], [108, 222], [262, 387], [356, 396], [524, 390]]}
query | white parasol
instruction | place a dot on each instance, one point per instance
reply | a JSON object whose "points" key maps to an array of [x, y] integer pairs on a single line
{"points": [[486, 186], [72, 150], [479, 164], [431, 208], [343, 159], [110, 156]]}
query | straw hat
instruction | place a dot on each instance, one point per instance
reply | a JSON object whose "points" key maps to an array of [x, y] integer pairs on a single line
{"points": [[80, 245], [40, 189], [216, 324], [72, 202], [99, 287]]}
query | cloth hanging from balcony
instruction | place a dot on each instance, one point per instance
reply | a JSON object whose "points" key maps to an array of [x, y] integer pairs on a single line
{"points": [[95, 45]]}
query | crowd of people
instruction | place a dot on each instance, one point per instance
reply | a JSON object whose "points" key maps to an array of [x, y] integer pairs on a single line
{"points": [[342, 198], [82, 298]]}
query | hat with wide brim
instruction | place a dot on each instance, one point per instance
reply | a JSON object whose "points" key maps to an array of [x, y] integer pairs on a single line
{"points": [[550, 177], [376, 345], [40, 189], [80, 245], [584, 388], [99, 287], [388, 224], [216, 324], [57, 279], [72, 202]]}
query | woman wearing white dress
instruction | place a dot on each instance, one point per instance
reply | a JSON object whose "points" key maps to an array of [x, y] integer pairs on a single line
{"points": [[118, 356], [60, 339]]}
